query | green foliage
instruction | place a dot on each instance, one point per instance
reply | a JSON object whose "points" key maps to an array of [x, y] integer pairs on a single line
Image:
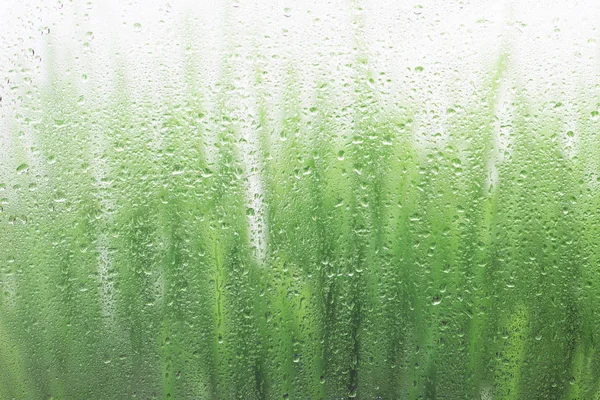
{"points": [[339, 252]]}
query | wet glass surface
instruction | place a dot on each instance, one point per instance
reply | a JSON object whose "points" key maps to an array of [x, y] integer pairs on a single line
{"points": [[299, 200]]}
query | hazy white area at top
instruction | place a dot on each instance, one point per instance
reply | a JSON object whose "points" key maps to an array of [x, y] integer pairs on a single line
{"points": [[428, 55], [427, 49]]}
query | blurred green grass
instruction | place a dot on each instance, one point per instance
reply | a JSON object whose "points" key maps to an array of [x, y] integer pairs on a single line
{"points": [[392, 266]]}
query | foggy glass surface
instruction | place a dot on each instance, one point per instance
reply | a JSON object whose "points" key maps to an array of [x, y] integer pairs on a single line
{"points": [[299, 199]]}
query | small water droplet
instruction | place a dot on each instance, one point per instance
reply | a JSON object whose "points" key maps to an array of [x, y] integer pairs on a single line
{"points": [[287, 12], [59, 197], [23, 168], [353, 393]]}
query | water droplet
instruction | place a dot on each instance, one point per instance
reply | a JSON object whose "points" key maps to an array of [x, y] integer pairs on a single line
{"points": [[59, 197], [23, 168], [353, 393], [287, 12]]}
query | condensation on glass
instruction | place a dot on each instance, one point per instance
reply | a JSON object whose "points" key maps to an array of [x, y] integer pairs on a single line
{"points": [[299, 199]]}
